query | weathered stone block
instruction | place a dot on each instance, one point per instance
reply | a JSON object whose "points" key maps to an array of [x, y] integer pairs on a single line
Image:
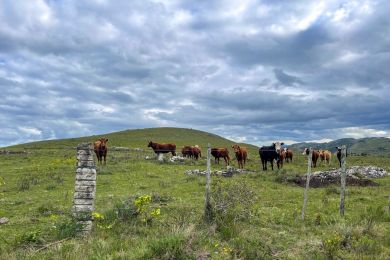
{"points": [[89, 164], [86, 171], [86, 176], [82, 188], [83, 208], [83, 201], [84, 195], [85, 182]]}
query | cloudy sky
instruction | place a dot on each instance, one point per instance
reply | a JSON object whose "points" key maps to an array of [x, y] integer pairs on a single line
{"points": [[252, 71]]}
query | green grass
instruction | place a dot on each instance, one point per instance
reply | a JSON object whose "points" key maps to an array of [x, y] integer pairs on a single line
{"points": [[38, 193]]}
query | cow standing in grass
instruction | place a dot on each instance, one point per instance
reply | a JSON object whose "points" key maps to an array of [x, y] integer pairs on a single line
{"points": [[100, 148], [220, 152], [241, 154], [314, 157], [269, 154], [282, 157], [289, 155], [162, 148], [339, 154], [326, 156]]}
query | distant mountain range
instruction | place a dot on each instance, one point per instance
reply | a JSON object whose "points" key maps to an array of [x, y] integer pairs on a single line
{"points": [[378, 146]]}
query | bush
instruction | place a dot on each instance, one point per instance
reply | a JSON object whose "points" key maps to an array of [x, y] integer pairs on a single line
{"points": [[29, 238], [23, 184], [68, 228], [231, 202]]}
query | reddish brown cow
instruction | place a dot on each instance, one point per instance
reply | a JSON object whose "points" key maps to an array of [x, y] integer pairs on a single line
{"points": [[289, 155], [163, 148], [100, 148], [196, 152], [241, 154], [282, 157], [220, 152], [191, 152], [314, 156], [186, 151]]}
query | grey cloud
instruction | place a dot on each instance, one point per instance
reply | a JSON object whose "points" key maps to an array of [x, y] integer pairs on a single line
{"points": [[210, 65]]}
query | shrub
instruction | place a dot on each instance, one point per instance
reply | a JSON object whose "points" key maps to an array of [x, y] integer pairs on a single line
{"points": [[23, 184], [231, 202], [29, 238], [68, 228], [332, 245]]}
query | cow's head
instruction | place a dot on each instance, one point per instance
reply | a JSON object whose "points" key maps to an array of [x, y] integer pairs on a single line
{"points": [[103, 143], [277, 146], [305, 151], [150, 144], [236, 148]]}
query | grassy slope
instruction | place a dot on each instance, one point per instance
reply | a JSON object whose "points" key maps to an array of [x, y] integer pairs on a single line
{"points": [[273, 223]]}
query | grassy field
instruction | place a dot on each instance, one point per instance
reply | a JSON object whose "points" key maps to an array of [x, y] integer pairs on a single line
{"points": [[256, 216]]}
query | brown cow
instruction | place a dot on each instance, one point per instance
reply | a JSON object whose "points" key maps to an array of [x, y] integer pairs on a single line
{"points": [[186, 151], [241, 154], [163, 148], [289, 155], [314, 156], [220, 152], [282, 157], [196, 152], [326, 156], [100, 148], [191, 152]]}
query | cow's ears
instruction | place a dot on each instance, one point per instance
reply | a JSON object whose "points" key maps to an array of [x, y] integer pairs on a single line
{"points": [[106, 139]]}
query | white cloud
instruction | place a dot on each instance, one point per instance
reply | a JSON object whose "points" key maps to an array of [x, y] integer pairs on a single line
{"points": [[29, 130]]}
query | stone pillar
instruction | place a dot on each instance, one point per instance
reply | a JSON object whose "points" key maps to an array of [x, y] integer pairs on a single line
{"points": [[85, 187]]}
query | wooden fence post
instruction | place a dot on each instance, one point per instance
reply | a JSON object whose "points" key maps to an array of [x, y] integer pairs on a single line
{"points": [[208, 209], [309, 158], [343, 177], [85, 187]]}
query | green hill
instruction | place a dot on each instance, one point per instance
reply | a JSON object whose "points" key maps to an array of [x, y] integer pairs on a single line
{"points": [[139, 138], [377, 146]]}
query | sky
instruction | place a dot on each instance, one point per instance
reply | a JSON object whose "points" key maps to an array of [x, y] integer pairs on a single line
{"points": [[251, 71]]}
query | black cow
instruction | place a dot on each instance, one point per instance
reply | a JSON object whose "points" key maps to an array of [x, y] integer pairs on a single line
{"points": [[339, 154], [269, 154]]}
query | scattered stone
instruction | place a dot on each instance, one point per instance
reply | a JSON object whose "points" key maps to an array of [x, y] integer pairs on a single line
{"points": [[119, 148], [4, 220], [356, 176], [177, 159], [229, 172]]}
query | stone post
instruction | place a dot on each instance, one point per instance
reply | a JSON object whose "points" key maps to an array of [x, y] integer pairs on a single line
{"points": [[343, 177], [309, 158], [85, 187]]}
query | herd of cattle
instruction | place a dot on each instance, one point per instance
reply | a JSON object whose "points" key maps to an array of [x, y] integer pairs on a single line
{"points": [[271, 154]]}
